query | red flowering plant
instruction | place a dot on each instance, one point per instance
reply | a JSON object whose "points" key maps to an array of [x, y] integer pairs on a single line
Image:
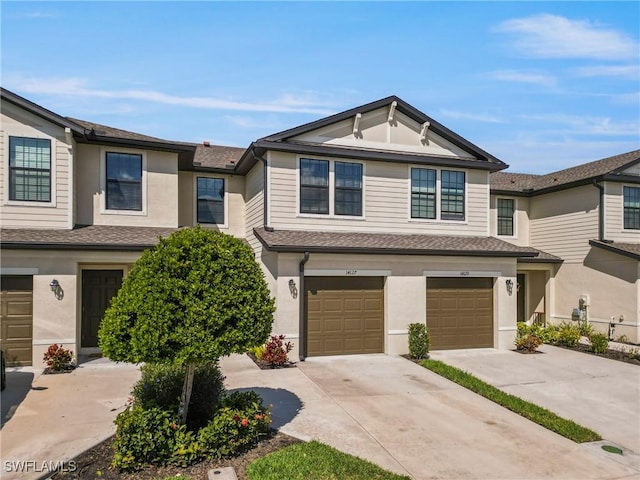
{"points": [[276, 352], [58, 359]]}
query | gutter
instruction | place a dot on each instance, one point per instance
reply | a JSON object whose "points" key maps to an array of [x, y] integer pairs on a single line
{"points": [[302, 326], [600, 212], [265, 197]]}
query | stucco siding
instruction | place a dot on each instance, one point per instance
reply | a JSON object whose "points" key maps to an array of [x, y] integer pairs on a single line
{"points": [[55, 214], [386, 202], [160, 189], [562, 223], [614, 220]]}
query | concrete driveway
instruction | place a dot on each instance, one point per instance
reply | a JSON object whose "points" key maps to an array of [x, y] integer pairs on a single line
{"points": [[600, 394], [411, 421]]}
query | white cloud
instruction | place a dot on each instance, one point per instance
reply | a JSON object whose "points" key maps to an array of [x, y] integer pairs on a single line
{"points": [[583, 125], [75, 87], [523, 77], [478, 117], [631, 72], [552, 36]]}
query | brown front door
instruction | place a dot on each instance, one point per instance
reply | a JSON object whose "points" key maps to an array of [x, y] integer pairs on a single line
{"points": [[345, 315], [98, 288], [460, 312], [522, 288], [16, 319]]}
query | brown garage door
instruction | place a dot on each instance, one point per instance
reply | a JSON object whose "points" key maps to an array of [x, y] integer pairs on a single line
{"points": [[16, 331], [345, 315], [460, 312]]}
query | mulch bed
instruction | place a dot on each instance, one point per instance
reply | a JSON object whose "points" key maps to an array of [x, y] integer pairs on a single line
{"points": [[611, 354], [96, 463], [266, 366]]}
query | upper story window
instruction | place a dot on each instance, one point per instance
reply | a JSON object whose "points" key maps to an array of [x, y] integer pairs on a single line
{"points": [[314, 186], [631, 203], [29, 169], [210, 200], [348, 191], [331, 187], [423, 193], [124, 181], [427, 184], [506, 210]]}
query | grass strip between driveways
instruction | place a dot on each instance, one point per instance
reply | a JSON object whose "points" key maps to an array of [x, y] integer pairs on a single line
{"points": [[539, 415], [315, 461]]}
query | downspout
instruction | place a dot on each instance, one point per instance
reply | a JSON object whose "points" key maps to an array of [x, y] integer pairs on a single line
{"points": [[265, 191], [600, 211], [302, 326], [71, 201]]}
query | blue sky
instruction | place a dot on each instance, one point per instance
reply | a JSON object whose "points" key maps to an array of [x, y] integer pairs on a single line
{"points": [[541, 85]]}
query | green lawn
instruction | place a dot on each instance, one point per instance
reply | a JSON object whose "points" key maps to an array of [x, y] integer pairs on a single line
{"points": [[315, 461], [541, 416]]}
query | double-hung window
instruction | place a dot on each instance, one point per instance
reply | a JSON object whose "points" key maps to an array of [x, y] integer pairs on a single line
{"points": [[348, 190], [210, 200], [124, 181], [430, 186], [314, 186], [29, 169], [506, 209], [631, 204]]}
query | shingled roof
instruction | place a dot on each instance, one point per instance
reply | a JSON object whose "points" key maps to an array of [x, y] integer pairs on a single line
{"points": [[607, 168], [398, 244], [92, 237], [631, 250]]}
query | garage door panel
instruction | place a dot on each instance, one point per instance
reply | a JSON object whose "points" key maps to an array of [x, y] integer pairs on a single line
{"points": [[16, 334], [345, 315], [460, 312]]}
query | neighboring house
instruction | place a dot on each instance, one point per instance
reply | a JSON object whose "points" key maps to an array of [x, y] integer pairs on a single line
{"points": [[589, 216], [364, 222]]}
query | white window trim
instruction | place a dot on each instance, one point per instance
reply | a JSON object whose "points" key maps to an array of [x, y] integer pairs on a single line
{"points": [[626, 230], [438, 219], [332, 191], [21, 133], [225, 203], [103, 182], [515, 217]]}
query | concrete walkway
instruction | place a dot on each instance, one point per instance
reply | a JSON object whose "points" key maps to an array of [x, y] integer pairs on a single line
{"points": [[411, 421], [598, 393], [48, 419]]}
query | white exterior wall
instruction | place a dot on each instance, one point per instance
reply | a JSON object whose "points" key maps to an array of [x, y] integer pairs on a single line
{"points": [[59, 320], [404, 291], [614, 220], [56, 214], [254, 204], [386, 201], [159, 183]]}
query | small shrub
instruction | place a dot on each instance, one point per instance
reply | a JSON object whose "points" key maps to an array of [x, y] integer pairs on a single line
{"points": [[161, 386], [599, 343], [586, 329], [523, 329], [622, 339], [58, 358], [258, 351], [528, 343], [419, 341], [276, 351], [568, 335]]}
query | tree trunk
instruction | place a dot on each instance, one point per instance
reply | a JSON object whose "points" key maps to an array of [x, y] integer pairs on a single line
{"points": [[185, 398]]}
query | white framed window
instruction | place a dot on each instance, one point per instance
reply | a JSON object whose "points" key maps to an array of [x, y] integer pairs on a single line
{"points": [[30, 171], [211, 202], [631, 207], [437, 194], [123, 178], [333, 188], [506, 217]]}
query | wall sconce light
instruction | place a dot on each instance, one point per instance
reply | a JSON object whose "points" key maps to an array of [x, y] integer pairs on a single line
{"points": [[292, 288], [509, 286], [56, 289]]}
